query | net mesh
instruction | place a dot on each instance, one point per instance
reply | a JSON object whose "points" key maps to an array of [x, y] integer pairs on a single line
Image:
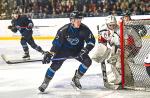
{"points": [[136, 47]]}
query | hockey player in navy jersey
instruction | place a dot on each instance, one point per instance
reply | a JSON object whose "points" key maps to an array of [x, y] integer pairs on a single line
{"points": [[24, 25], [69, 41]]}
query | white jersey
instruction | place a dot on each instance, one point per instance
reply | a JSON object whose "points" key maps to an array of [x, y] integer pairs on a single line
{"points": [[109, 36]]}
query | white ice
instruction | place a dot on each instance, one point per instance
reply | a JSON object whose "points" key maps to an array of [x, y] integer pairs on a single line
{"points": [[23, 80]]}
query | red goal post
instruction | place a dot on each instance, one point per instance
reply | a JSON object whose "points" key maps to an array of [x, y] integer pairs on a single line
{"points": [[141, 79]]}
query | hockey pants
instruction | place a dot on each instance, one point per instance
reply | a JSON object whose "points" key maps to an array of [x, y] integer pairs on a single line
{"points": [[86, 62], [24, 41]]}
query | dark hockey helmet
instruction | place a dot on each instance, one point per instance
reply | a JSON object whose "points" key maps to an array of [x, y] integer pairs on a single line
{"points": [[76, 14], [17, 12], [127, 13]]}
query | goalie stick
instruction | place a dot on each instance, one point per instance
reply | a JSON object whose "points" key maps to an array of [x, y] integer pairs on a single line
{"points": [[105, 79]]}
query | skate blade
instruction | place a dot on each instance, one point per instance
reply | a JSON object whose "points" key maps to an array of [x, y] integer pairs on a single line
{"points": [[41, 89], [76, 88]]}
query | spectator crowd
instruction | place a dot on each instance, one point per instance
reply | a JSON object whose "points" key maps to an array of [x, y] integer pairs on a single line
{"points": [[38, 9]]}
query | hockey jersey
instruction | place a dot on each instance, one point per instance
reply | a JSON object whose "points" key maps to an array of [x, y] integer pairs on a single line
{"points": [[73, 39], [108, 36], [24, 25]]}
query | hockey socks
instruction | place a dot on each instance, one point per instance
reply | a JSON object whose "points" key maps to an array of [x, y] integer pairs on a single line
{"points": [[78, 74], [49, 75]]}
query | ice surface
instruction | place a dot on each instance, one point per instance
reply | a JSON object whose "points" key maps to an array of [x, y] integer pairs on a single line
{"points": [[22, 80]]}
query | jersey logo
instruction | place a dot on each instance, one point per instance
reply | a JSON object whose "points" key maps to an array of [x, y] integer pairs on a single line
{"points": [[73, 41]]}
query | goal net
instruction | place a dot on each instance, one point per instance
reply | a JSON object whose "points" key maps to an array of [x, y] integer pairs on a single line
{"points": [[133, 52]]}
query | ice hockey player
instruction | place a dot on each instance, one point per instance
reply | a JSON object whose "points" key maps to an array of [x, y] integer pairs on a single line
{"points": [[24, 25], [108, 42], [147, 64], [134, 37], [69, 42]]}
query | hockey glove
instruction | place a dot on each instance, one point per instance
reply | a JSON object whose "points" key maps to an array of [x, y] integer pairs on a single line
{"points": [[9, 27], [82, 53], [30, 26], [47, 57], [12, 28]]}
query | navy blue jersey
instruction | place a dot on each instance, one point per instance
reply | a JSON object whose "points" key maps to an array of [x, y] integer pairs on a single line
{"points": [[22, 24], [73, 39]]}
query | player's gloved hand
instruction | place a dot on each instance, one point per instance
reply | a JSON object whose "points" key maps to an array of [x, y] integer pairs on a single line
{"points": [[30, 25], [82, 53], [47, 57], [12, 28], [9, 27]]}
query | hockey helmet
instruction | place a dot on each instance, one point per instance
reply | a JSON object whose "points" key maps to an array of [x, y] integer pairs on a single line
{"points": [[76, 14], [111, 19], [147, 60], [127, 13], [16, 14]]}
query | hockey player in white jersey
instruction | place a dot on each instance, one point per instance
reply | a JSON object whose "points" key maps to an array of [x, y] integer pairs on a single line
{"points": [[108, 46], [106, 34], [109, 50]]}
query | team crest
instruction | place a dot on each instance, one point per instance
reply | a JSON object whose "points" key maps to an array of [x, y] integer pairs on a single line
{"points": [[73, 41]]}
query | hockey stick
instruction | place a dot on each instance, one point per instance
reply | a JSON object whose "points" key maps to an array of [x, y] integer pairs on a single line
{"points": [[103, 68], [30, 60], [34, 26], [18, 61], [58, 59], [105, 78]]}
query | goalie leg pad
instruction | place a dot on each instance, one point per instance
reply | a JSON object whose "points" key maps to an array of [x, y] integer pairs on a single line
{"points": [[117, 74]]}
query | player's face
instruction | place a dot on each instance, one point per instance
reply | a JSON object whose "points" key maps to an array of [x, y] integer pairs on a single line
{"points": [[111, 26], [76, 22], [15, 16], [126, 18]]}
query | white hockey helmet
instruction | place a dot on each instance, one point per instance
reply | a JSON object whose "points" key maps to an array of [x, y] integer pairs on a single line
{"points": [[111, 19], [147, 60]]}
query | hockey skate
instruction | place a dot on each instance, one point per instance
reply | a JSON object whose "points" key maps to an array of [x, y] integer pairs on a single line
{"points": [[44, 85], [26, 56], [75, 81]]}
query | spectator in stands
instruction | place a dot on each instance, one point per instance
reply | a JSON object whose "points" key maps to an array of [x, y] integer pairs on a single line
{"points": [[49, 8]]}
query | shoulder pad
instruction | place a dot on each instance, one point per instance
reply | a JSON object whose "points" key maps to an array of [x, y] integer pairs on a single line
{"points": [[83, 25], [64, 27]]}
